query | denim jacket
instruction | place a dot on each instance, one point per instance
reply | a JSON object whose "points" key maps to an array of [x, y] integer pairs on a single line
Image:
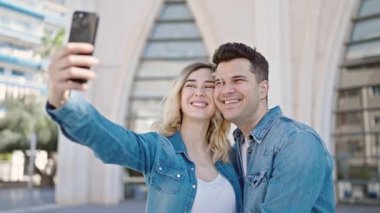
{"points": [[289, 169], [169, 173]]}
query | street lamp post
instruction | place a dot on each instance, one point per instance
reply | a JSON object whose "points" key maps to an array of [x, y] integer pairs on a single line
{"points": [[32, 156]]}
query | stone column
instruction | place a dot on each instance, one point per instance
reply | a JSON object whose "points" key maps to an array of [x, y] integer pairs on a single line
{"points": [[123, 29]]}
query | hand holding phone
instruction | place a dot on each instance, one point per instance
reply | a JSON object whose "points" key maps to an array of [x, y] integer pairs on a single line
{"points": [[83, 29]]}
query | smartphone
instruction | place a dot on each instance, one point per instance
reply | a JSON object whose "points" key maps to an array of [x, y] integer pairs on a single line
{"points": [[84, 26]]}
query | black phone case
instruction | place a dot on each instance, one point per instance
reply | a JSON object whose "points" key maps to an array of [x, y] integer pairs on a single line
{"points": [[84, 26]]}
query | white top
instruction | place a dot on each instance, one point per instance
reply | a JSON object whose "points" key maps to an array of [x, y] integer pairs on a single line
{"points": [[244, 148], [214, 196]]}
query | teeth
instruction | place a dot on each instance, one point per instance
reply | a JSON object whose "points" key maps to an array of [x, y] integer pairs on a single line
{"points": [[231, 101], [199, 104]]}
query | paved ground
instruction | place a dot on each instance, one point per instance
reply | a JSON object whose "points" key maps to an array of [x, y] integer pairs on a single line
{"points": [[124, 207], [20, 200]]}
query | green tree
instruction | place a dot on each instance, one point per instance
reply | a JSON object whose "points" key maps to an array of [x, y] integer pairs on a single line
{"points": [[51, 42], [24, 117]]}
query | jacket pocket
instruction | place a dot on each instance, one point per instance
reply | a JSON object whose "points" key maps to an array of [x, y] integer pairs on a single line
{"points": [[254, 180], [255, 190], [167, 178]]}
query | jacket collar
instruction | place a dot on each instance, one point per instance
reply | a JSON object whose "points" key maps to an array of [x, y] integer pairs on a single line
{"points": [[177, 142], [262, 128], [179, 145]]}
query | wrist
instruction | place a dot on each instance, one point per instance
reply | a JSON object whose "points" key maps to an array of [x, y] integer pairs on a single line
{"points": [[57, 101]]}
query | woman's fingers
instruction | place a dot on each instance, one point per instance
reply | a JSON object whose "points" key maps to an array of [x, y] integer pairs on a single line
{"points": [[69, 70], [73, 49], [72, 85], [73, 61], [75, 73]]}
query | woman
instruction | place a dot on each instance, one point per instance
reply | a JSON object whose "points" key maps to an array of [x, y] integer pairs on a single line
{"points": [[185, 164]]}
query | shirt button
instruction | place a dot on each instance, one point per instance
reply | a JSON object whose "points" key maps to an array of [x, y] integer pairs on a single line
{"points": [[192, 168], [250, 137], [178, 175], [194, 186], [160, 168]]}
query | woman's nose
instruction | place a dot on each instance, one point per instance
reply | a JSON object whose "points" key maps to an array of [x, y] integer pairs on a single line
{"points": [[199, 92]]}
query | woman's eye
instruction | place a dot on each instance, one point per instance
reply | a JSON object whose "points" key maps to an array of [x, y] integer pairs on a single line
{"points": [[218, 83], [190, 85]]}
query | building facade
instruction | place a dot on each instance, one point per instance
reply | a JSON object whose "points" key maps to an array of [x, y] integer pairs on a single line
{"points": [[323, 58], [23, 25], [357, 130]]}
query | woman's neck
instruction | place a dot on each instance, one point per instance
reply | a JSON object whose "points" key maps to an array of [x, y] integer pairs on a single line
{"points": [[194, 137], [193, 134]]}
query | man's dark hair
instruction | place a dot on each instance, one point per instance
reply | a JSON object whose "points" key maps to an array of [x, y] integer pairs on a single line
{"points": [[229, 51]]}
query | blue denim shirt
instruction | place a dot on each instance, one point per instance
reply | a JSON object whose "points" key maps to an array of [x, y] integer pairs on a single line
{"points": [[289, 169], [168, 171]]}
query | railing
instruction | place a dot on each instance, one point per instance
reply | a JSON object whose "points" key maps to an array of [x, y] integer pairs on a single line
{"points": [[358, 191]]}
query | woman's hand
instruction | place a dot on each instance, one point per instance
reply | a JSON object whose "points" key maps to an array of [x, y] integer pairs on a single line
{"points": [[70, 63]]}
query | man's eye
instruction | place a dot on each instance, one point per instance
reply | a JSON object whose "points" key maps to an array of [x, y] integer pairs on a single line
{"points": [[210, 86], [218, 83]]}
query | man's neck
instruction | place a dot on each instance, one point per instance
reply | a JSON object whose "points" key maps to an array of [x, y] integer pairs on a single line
{"points": [[246, 126]]}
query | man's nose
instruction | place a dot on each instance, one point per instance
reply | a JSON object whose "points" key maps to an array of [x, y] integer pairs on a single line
{"points": [[227, 88]]}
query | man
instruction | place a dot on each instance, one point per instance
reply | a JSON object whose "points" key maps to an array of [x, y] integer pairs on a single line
{"points": [[284, 164]]}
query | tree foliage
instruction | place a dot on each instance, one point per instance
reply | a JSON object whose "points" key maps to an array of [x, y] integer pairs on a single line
{"points": [[51, 42], [23, 117]]}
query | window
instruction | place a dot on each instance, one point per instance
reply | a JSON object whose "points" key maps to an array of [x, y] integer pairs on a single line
{"points": [[174, 42], [17, 73], [350, 118], [175, 30], [365, 37], [364, 49], [377, 120], [366, 29], [350, 147], [176, 11], [349, 93], [375, 90], [369, 7], [356, 147]]}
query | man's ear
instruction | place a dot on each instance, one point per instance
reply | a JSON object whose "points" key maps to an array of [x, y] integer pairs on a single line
{"points": [[264, 88]]}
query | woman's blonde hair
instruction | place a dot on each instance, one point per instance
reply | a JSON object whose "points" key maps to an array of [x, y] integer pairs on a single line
{"points": [[170, 122]]}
